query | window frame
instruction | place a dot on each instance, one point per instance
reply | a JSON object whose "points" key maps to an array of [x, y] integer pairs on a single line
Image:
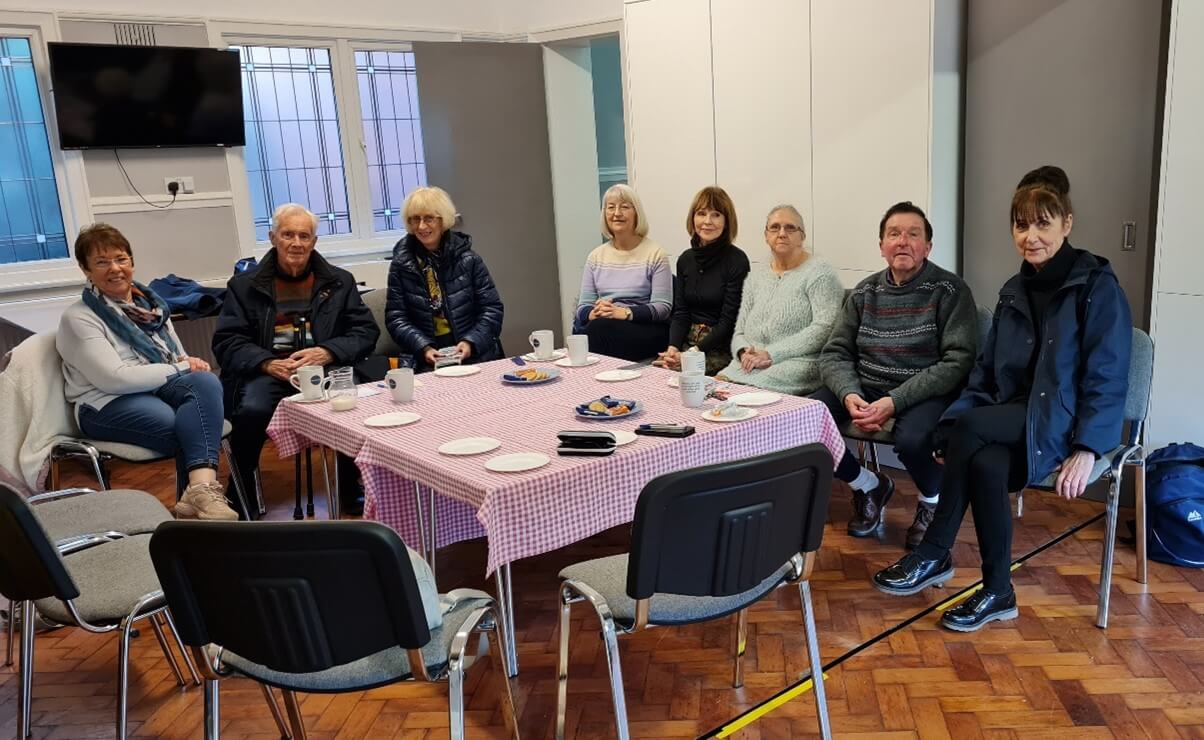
{"points": [[342, 43], [70, 179]]}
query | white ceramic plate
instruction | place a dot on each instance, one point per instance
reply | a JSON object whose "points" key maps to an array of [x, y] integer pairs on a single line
{"points": [[614, 376], [757, 398], [458, 371], [298, 398], [624, 437], [469, 446], [517, 462], [392, 419], [739, 413], [556, 355], [591, 360]]}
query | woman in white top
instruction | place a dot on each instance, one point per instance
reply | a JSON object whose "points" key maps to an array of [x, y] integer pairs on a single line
{"points": [[129, 378], [786, 312]]}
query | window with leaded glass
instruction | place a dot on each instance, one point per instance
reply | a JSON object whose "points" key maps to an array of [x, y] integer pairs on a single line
{"points": [[388, 89]]}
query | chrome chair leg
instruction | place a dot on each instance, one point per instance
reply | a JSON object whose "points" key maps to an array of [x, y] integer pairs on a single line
{"points": [[455, 696], [236, 480], [294, 715], [167, 652], [1143, 575], [739, 645], [509, 714], [875, 465], [434, 526], [1105, 568], [817, 665], [1020, 504], [332, 500], [611, 639], [337, 496], [274, 708], [175, 633], [97, 468], [25, 669], [123, 674], [213, 714], [505, 606], [263, 509], [10, 628], [562, 665]]}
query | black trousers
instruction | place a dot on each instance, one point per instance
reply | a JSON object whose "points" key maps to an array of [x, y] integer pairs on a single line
{"points": [[913, 438], [250, 405], [627, 340], [986, 459]]}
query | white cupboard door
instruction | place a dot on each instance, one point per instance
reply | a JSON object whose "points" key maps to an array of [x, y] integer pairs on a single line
{"points": [[762, 73], [870, 125], [671, 136]]}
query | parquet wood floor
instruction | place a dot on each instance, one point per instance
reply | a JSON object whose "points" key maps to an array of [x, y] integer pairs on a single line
{"points": [[1049, 674]]}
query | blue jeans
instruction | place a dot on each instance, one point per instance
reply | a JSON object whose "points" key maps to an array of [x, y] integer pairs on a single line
{"points": [[181, 418]]}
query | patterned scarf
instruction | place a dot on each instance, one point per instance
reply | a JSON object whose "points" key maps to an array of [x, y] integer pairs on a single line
{"points": [[140, 323]]}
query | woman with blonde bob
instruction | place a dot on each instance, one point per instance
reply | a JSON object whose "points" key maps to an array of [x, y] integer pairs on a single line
{"points": [[440, 292], [627, 285]]}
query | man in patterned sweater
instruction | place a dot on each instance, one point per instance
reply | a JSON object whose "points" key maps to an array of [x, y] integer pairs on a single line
{"points": [[901, 349]]}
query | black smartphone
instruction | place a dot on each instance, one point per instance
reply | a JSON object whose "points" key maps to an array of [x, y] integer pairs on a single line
{"points": [[664, 430]]}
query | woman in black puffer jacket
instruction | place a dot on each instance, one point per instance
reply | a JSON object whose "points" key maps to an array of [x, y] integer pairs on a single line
{"points": [[440, 292]]}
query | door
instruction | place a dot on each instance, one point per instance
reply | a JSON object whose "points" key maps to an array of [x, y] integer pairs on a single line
{"points": [[485, 137], [1074, 83]]}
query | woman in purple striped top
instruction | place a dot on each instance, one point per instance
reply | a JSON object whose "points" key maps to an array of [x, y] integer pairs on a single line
{"points": [[627, 286]]}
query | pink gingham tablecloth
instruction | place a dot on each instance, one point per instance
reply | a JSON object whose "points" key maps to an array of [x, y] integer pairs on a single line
{"points": [[571, 498]]}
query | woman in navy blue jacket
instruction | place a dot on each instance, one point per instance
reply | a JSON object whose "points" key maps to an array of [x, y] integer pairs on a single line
{"points": [[1046, 397], [440, 292]]}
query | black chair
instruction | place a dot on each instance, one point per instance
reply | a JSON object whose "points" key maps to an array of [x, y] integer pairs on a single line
{"points": [[101, 583], [705, 543], [319, 607]]}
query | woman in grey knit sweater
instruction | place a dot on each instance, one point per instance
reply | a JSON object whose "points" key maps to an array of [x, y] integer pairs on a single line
{"points": [[786, 312]]}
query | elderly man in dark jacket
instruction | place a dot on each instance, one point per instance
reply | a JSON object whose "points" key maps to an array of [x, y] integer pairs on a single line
{"points": [[294, 309], [440, 292]]}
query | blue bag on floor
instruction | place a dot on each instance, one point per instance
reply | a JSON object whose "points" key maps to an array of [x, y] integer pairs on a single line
{"points": [[1175, 505]]}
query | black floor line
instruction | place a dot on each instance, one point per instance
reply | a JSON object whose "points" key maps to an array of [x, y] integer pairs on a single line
{"points": [[905, 623]]}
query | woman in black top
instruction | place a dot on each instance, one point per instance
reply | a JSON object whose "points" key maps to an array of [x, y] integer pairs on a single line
{"points": [[708, 285], [1044, 402]]}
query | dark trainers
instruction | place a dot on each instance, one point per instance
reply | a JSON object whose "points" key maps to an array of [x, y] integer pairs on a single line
{"points": [[868, 507], [919, 525], [912, 574], [982, 608]]}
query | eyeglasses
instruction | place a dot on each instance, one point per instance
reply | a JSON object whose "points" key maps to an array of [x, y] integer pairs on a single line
{"points": [[122, 262], [619, 207], [788, 229], [423, 220]]}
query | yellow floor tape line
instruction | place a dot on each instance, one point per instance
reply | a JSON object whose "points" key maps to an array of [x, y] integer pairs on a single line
{"points": [[962, 597], [766, 708]]}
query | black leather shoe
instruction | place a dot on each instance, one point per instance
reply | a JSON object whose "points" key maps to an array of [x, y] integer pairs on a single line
{"points": [[982, 608], [912, 574], [868, 507]]}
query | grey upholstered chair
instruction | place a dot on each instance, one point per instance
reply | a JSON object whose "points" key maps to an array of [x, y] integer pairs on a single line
{"points": [[101, 583], [334, 607], [1129, 454], [707, 543]]}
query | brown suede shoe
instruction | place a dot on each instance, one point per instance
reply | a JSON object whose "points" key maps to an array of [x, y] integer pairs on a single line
{"points": [[915, 533]]}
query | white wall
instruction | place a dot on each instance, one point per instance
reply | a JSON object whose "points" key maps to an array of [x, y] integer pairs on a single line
{"points": [[1178, 293], [540, 16]]}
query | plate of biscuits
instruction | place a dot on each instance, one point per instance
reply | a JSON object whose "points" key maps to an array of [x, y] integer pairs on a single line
{"points": [[606, 408], [530, 375]]}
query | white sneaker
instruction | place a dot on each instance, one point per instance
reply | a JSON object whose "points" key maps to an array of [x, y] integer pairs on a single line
{"points": [[205, 501]]}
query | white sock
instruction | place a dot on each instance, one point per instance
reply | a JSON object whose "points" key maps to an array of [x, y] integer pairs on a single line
{"points": [[930, 500], [865, 481]]}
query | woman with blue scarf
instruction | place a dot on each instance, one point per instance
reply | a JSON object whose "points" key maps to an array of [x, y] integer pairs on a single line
{"points": [[128, 378]]}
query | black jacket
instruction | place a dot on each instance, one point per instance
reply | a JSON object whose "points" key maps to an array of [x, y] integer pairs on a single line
{"points": [[707, 290], [340, 322], [471, 303], [1082, 366]]}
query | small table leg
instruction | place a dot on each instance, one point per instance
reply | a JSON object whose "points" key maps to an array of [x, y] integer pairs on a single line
{"points": [[297, 512], [505, 603]]}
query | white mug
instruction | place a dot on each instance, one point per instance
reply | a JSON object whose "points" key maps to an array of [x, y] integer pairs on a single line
{"points": [[694, 361], [694, 388], [543, 343], [401, 384], [308, 379], [578, 345]]}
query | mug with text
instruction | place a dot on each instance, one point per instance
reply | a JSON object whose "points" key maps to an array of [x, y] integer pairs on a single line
{"points": [[308, 379], [543, 344], [694, 388], [401, 384]]}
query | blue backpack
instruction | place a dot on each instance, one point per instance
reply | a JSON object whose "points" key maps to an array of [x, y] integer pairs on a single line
{"points": [[1175, 505]]}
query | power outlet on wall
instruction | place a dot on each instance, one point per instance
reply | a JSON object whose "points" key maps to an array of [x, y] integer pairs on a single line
{"points": [[184, 182]]}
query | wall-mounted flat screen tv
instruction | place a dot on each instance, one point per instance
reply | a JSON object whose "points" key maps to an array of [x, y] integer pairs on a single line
{"points": [[146, 96]]}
